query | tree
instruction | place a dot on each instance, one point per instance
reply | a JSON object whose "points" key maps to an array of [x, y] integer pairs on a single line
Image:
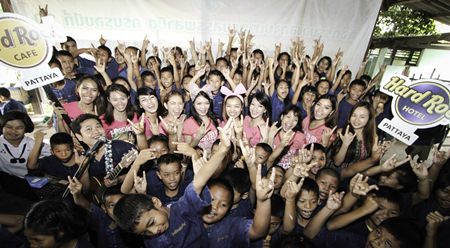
{"points": [[399, 20]]}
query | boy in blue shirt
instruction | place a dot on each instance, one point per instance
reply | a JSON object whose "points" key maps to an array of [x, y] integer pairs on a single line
{"points": [[228, 231], [181, 225], [356, 90], [239, 179], [61, 163]]}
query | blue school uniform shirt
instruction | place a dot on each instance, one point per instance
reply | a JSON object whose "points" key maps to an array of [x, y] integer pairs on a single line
{"points": [[244, 209], [343, 112], [112, 68], [186, 227], [68, 92], [52, 166], [156, 187], [100, 223], [217, 105], [230, 232], [352, 236]]}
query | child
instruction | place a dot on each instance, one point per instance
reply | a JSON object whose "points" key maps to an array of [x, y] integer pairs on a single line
{"points": [[240, 181], [328, 181], [227, 231], [54, 223], [64, 90], [167, 81], [15, 147], [67, 64], [145, 215], [279, 177], [101, 218], [396, 232], [356, 89], [61, 163], [280, 99], [273, 238], [355, 225], [215, 81]]}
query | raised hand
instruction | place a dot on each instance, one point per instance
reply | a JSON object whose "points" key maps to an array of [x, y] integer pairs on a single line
{"points": [[419, 168], [334, 201], [287, 137], [102, 40], [232, 31], [292, 189], [359, 185], [198, 163], [100, 66], [239, 126], [140, 183], [392, 163], [39, 136], [302, 169], [440, 157], [202, 131], [226, 132], [248, 153], [348, 137], [43, 11], [434, 221], [370, 205], [75, 186], [326, 135], [138, 128], [264, 187], [128, 158], [121, 47]]}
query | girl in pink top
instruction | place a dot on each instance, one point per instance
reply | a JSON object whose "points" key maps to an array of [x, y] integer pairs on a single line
{"points": [[174, 105], [289, 139], [201, 129], [91, 101], [260, 113], [233, 106], [118, 111], [320, 126], [148, 103]]}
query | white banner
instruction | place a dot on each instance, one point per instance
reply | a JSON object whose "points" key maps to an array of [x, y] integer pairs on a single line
{"points": [[345, 24]]}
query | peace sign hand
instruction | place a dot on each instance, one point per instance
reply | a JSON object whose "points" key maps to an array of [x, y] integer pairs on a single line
{"points": [[392, 163], [138, 128], [419, 168], [334, 201], [292, 189], [264, 187]]}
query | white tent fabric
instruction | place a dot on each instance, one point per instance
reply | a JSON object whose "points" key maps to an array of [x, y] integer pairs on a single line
{"points": [[345, 24]]}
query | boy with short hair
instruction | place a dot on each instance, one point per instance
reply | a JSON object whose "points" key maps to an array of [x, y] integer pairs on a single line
{"points": [[181, 225], [356, 90], [228, 231], [61, 163], [101, 218]]}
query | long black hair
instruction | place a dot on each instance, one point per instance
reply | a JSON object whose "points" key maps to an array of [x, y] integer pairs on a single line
{"points": [[210, 112], [109, 113]]}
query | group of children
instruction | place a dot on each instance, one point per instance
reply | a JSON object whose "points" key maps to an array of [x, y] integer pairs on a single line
{"points": [[242, 150]]}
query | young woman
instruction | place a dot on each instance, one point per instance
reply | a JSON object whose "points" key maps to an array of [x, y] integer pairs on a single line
{"points": [[289, 139], [15, 147], [173, 114], [318, 127], [149, 105], [357, 145], [201, 128], [91, 95], [258, 119], [118, 111]]}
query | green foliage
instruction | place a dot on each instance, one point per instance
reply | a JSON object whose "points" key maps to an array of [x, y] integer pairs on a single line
{"points": [[399, 20]]}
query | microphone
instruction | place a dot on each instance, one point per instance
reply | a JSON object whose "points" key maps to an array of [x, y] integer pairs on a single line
{"points": [[95, 147]]}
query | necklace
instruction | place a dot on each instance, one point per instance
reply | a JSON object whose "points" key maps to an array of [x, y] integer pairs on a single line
{"points": [[108, 157]]}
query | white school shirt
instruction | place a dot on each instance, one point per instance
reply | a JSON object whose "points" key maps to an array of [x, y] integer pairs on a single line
{"points": [[18, 169]]}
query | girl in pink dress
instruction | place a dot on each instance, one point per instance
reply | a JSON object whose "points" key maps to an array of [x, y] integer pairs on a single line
{"points": [[289, 139], [201, 128], [320, 126], [148, 103], [260, 112]]}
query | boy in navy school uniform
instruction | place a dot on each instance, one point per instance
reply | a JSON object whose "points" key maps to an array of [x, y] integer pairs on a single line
{"points": [[356, 90], [351, 229], [181, 225], [101, 220], [227, 231], [61, 163]]}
